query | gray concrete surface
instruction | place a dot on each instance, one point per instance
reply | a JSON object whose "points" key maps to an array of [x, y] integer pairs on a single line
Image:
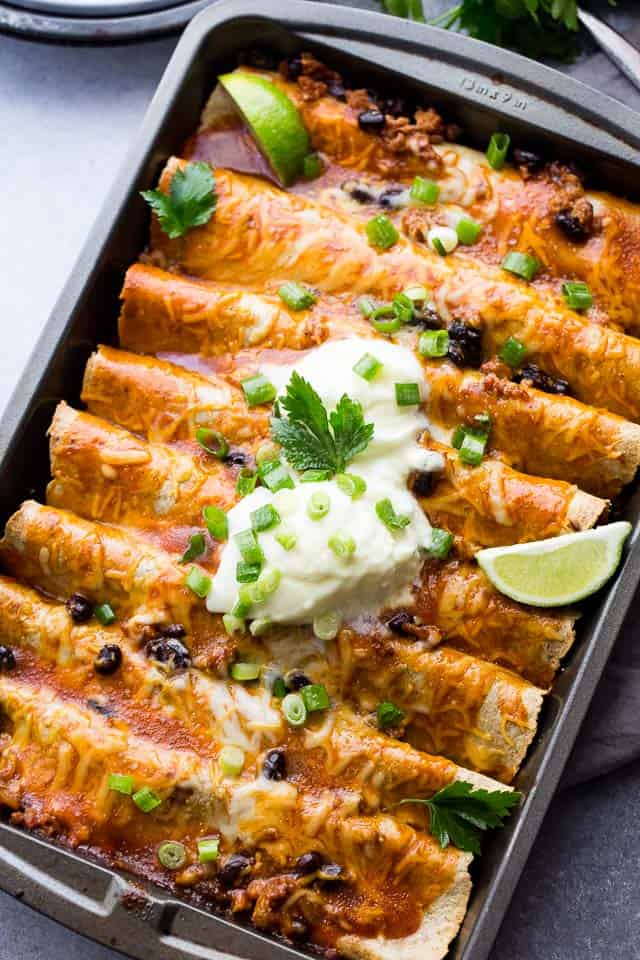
{"points": [[66, 118]]}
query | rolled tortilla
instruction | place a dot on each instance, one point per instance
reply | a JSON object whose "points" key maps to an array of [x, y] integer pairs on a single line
{"points": [[260, 235]]}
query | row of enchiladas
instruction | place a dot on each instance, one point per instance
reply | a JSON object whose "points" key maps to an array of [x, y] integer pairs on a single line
{"points": [[118, 691]]}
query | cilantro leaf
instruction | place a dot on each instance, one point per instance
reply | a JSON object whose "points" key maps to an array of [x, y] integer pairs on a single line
{"points": [[458, 813], [190, 202], [311, 439]]}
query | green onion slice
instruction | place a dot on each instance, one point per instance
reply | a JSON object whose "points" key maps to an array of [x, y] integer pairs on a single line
{"points": [[258, 390], [259, 626], [381, 232], [407, 394], [315, 476], [244, 671], [208, 849], [195, 548], [287, 540], [146, 799], [213, 442], [264, 518], [267, 451], [246, 482], [577, 295], [472, 448], [172, 854], [367, 367], [351, 484], [391, 519], [294, 709], [433, 343], [403, 307], [198, 582], [342, 545], [512, 352], [319, 505], [385, 320], [497, 150], [441, 543], [217, 522], [416, 293], [104, 614], [296, 295], [121, 783], [424, 191], [279, 689], [468, 230], [389, 715], [247, 572], [231, 761], [248, 546], [315, 697], [268, 582], [327, 626], [438, 245], [275, 476], [521, 265], [366, 306]]}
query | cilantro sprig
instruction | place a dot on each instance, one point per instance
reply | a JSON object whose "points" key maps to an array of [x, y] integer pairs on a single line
{"points": [[538, 28], [191, 200], [459, 813], [311, 438]]}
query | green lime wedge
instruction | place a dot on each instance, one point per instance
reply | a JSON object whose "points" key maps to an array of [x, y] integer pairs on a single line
{"points": [[551, 573], [274, 121]]}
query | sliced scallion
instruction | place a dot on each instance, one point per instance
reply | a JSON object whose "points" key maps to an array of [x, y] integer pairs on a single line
{"points": [[442, 240], [294, 709], [259, 626], [264, 518], [394, 521], [208, 849], [403, 307], [231, 760], [497, 150], [384, 319], [326, 626], [195, 548], [342, 545], [104, 614], [172, 854], [424, 191], [315, 697], [286, 540], [312, 166], [577, 295], [217, 522], [441, 543], [258, 390], [248, 546], [472, 448], [213, 442], [296, 295], [279, 689], [246, 482], [269, 581], [247, 572], [315, 476], [366, 306], [433, 343], [244, 671], [275, 476], [121, 783], [407, 394], [146, 800], [267, 451], [351, 484], [512, 352], [198, 581], [521, 265], [381, 232], [416, 293], [367, 367], [319, 505], [233, 624], [468, 230], [389, 715]]}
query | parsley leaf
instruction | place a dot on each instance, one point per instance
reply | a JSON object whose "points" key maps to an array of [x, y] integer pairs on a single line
{"points": [[311, 439], [458, 813], [190, 202]]}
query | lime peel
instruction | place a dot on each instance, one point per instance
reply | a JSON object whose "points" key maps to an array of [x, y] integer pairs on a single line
{"points": [[274, 121], [558, 571]]}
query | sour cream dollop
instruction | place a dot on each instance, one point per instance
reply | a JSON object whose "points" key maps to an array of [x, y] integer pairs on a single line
{"points": [[313, 580]]}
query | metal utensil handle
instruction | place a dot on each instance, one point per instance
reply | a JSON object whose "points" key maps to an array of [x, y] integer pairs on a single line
{"points": [[623, 53]]}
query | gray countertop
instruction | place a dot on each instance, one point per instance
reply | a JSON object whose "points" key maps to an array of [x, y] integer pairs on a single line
{"points": [[67, 115]]}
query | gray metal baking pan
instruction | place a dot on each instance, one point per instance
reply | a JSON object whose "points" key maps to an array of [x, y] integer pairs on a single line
{"points": [[484, 88]]}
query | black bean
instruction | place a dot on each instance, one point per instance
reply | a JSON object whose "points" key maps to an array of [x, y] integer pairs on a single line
{"points": [[104, 709], [427, 318], [169, 650], [232, 869], [275, 765], [330, 872], [386, 197], [465, 345], [174, 630], [309, 862], [528, 159], [422, 483], [358, 191], [571, 226], [338, 91], [399, 621], [108, 660], [80, 609], [371, 121], [296, 680], [542, 380], [237, 458], [293, 68], [7, 659]]}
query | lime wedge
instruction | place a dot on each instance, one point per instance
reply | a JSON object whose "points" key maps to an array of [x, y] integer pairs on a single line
{"points": [[274, 121], [551, 573]]}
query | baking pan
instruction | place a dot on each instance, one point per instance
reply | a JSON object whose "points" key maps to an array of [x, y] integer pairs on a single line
{"points": [[484, 88]]}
